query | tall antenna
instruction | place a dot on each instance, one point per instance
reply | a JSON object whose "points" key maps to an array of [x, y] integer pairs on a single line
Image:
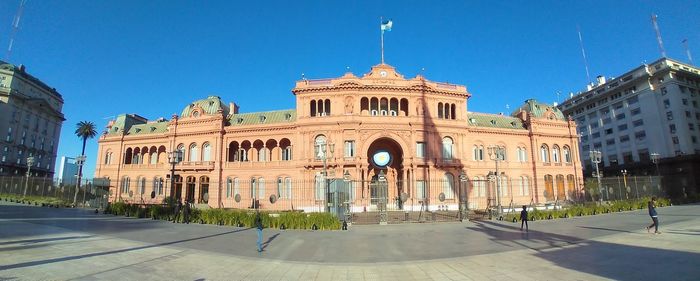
{"points": [[687, 50], [15, 28], [583, 52], [658, 35]]}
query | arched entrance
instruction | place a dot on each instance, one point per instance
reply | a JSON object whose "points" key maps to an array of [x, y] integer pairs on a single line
{"points": [[385, 174]]}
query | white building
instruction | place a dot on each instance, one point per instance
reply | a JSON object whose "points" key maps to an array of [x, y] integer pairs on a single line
{"points": [[653, 108], [30, 122], [67, 171]]}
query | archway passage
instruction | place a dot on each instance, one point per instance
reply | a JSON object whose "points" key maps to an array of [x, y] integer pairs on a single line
{"points": [[385, 158]]}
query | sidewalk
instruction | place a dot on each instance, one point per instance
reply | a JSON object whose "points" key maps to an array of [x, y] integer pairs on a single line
{"points": [[33, 248]]}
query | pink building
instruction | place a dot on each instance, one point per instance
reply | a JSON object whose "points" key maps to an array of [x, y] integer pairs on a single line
{"points": [[379, 141]]}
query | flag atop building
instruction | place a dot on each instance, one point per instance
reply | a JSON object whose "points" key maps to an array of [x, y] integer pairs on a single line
{"points": [[386, 25]]}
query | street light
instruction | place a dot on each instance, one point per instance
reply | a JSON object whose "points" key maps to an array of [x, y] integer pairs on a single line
{"points": [[497, 153], [655, 159], [595, 158], [325, 151], [463, 209], [30, 162], [174, 157], [624, 180]]}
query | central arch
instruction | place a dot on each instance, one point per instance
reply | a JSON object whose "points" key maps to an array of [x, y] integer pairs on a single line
{"points": [[385, 172]]}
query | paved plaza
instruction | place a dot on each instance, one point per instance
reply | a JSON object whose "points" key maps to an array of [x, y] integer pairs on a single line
{"points": [[72, 244]]}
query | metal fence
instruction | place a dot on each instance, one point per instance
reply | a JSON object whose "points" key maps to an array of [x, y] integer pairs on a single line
{"points": [[89, 194], [624, 187]]}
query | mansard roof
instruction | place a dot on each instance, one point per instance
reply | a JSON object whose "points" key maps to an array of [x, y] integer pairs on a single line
{"points": [[267, 117], [210, 105], [541, 110], [476, 119]]}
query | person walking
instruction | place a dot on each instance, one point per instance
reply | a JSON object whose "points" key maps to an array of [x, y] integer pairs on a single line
{"points": [[186, 212], [523, 218], [178, 207], [654, 216], [259, 228]]}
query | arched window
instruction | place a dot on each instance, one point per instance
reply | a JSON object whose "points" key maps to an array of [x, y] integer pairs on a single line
{"points": [[327, 108], [440, 110], [505, 187], [555, 154], [288, 188], [142, 185], [206, 152], [319, 142], [571, 185], [154, 157], [447, 148], [229, 188], [448, 186], [567, 154], [194, 153], [320, 187], [549, 187], [261, 188], [544, 153], [524, 185], [475, 153], [125, 184], [181, 148], [312, 106], [236, 187], [454, 111], [253, 187], [262, 154]]}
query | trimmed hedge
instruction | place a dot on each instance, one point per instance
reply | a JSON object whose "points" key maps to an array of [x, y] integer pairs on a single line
{"points": [[35, 200], [242, 218], [588, 209]]}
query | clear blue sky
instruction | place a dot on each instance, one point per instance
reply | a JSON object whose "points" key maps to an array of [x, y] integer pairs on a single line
{"points": [[154, 57]]}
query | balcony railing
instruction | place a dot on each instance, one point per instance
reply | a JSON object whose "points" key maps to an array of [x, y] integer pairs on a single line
{"points": [[143, 166], [195, 165]]}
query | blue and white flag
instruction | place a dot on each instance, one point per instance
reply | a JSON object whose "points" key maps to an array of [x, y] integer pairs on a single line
{"points": [[386, 25]]}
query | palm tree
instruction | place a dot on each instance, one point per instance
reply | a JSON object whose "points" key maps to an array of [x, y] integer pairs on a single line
{"points": [[85, 130]]}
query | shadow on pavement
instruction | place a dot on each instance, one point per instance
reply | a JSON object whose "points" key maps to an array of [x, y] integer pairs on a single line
{"points": [[607, 260], [40, 240], [34, 263], [266, 243]]}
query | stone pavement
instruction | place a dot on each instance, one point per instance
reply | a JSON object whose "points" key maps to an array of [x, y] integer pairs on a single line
{"points": [[65, 244]]}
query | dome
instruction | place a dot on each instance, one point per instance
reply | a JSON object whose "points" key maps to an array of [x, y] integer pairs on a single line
{"points": [[210, 105]]}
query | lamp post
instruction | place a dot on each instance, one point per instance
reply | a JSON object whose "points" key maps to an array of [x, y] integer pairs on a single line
{"points": [[497, 154], [463, 197], [174, 157], [324, 149], [595, 158], [30, 162], [655, 159], [624, 180]]}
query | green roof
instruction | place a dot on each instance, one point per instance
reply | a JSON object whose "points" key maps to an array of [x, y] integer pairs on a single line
{"points": [[269, 117], [148, 128], [211, 105], [494, 121], [20, 71], [538, 109]]}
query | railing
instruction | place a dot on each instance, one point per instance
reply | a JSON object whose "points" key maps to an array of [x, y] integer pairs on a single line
{"points": [[256, 164], [195, 165], [143, 166]]}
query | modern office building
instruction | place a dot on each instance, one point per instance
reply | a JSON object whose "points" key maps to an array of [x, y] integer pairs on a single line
{"points": [[67, 171], [30, 123], [650, 113], [414, 135]]}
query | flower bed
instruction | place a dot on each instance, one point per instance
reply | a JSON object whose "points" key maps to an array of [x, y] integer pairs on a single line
{"points": [[588, 209]]}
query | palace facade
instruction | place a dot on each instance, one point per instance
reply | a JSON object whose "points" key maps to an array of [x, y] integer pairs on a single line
{"points": [[415, 136]]}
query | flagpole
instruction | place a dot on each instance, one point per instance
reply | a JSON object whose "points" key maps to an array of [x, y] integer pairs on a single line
{"points": [[381, 21]]}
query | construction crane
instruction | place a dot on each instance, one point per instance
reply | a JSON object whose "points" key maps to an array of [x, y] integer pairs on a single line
{"points": [[687, 50], [15, 28], [658, 35]]}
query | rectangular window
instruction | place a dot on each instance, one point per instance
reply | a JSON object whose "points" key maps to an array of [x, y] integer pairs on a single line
{"points": [[672, 128], [607, 121], [608, 131], [597, 145], [350, 148], [669, 115], [420, 189], [675, 139], [640, 135], [420, 149], [694, 139], [594, 125], [632, 100], [687, 114], [620, 116], [624, 138], [685, 101], [638, 123], [584, 138], [635, 111], [596, 135], [663, 89], [617, 105], [622, 127], [610, 142], [667, 103], [691, 126]]}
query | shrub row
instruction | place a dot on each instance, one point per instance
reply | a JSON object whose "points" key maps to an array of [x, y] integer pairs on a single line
{"points": [[241, 218], [35, 200], [588, 209]]}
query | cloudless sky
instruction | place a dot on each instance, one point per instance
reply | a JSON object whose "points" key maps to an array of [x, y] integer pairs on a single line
{"points": [[153, 58]]}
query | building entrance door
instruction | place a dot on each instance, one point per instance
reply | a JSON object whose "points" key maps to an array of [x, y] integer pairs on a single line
{"points": [[189, 196]]}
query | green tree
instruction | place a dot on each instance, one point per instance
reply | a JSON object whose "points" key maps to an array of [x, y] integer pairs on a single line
{"points": [[85, 130]]}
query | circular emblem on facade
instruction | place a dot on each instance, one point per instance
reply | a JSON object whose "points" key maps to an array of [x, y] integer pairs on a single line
{"points": [[382, 73], [441, 197], [381, 158], [273, 198], [237, 197]]}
